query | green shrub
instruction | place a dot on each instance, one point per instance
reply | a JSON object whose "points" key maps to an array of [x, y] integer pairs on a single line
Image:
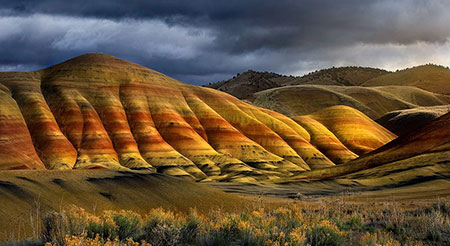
{"points": [[291, 226], [323, 235], [354, 223], [190, 230], [56, 227], [129, 224], [105, 228], [160, 231]]}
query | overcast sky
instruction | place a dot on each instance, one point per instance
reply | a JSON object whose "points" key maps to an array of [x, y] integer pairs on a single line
{"points": [[201, 41]]}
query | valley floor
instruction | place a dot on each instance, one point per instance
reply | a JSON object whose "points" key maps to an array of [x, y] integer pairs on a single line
{"points": [[28, 196]]}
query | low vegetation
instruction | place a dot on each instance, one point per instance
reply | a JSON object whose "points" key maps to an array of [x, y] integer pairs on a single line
{"points": [[324, 224]]}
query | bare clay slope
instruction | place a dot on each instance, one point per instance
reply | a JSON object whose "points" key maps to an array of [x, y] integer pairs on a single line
{"points": [[98, 111], [343, 133]]}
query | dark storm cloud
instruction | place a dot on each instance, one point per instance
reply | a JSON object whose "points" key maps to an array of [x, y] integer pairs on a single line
{"points": [[254, 21], [200, 40]]}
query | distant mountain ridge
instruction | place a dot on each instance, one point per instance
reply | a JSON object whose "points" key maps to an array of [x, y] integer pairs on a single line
{"points": [[346, 76]]}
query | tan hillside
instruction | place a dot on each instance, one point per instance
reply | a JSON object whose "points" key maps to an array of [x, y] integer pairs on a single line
{"points": [[372, 101], [26, 195], [432, 78]]}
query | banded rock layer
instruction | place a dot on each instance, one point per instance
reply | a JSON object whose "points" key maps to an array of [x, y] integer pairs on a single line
{"points": [[97, 111], [425, 146]]}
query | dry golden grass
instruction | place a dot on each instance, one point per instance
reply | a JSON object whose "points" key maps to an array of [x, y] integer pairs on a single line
{"points": [[324, 224], [26, 195], [429, 77], [143, 193], [372, 101]]}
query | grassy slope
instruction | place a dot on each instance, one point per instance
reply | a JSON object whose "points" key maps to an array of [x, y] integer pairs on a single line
{"points": [[372, 101], [27, 194], [428, 77], [30, 193]]}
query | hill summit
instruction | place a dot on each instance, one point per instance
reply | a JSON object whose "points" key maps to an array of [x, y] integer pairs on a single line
{"points": [[344, 76], [246, 84]]}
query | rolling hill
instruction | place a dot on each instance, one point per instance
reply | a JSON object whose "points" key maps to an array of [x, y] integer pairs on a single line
{"points": [[98, 111], [432, 78], [374, 92], [372, 101], [244, 85], [407, 120]]}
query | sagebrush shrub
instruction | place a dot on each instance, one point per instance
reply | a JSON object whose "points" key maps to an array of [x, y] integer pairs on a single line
{"points": [[326, 225]]}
